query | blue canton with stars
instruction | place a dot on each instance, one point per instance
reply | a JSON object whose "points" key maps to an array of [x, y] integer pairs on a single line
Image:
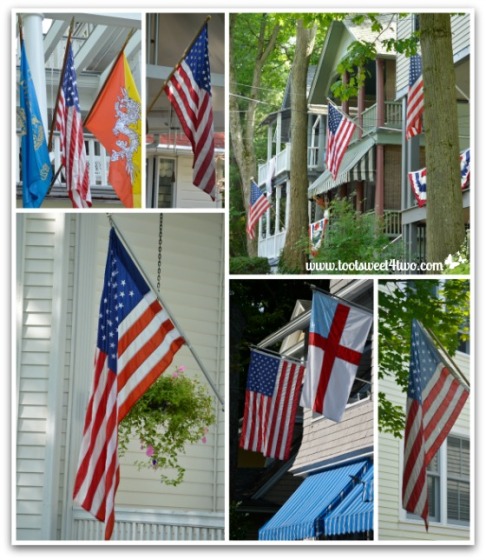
{"points": [[415, 69], [255, 193], [123, 288], [334, 119], [198, 60], [69, 83], [262, 373], [423, 363]]}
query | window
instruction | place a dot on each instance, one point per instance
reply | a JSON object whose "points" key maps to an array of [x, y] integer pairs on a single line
{"points": [[448, 484], [166, 182], [458, 491]]}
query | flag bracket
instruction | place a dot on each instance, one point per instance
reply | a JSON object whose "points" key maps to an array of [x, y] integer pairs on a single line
{"points": [[274, 353], [162, 302], [166, 81]]}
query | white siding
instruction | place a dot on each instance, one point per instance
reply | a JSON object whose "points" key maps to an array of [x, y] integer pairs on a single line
{"points": [[461, 36], [44, 284], [461, 30], [393, 525], [404, 29], [187, 195], [326, 440], [60, 274]]}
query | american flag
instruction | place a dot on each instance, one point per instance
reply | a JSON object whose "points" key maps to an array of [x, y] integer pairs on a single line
{"points": [[434, 401], [418, 182], [271, 400], [70, 126], [337, 337], [316, 233], [258, 206], [189, 91], [465, 159], [339, 132], [137, 341], [415, 98], [418, 179]]}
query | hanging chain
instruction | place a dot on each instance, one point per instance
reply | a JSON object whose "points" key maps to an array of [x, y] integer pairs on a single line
{"points": [[159, 260]]}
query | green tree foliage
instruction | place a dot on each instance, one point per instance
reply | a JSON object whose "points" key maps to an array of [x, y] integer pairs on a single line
{"points": [[354, 238], [441, 306], [173, 412], [261, 52]]}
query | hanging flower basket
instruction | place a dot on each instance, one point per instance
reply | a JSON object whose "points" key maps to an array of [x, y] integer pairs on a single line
{"points": [[175, 410]]}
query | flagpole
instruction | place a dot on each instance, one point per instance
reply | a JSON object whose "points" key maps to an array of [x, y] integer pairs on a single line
{"points": [[346, 116], [350, 303], [277, 354], [178, 64], [51, 131], [455, 368], [129, 36], [21, 33], [159, 297]]}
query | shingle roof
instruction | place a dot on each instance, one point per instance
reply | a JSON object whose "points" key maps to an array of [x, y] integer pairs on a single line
{"points": [[364, 32]]}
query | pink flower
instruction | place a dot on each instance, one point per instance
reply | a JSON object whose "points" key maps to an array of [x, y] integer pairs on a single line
{"points": [[203, 439], [150, 451]]}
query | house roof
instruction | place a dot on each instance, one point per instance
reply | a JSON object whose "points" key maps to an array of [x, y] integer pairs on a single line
{"points": [[364, 32], [285, 107], [287, 95], [339, 36], [97, 39]]}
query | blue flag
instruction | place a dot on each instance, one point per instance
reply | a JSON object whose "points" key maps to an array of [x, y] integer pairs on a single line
{"points": [[36, 167]]}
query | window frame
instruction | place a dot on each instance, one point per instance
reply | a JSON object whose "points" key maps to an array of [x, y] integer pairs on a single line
{"points": [[441, 476]]}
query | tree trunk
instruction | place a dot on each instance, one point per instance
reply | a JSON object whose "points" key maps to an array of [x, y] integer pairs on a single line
{"points": [[445, 223], [293, 256], [242, 131]]}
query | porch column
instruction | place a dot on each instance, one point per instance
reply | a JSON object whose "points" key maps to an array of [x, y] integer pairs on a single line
{"points": [[360, 184], [343, 189], [278, 195], [345, 104], [279, 133], [269, 141], [287, 205], [321, 144], [278, 198], [380, 149], [34, 49]]}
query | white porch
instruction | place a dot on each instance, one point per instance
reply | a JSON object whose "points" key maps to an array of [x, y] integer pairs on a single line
{"points": [[151, 525], [98, 162]]}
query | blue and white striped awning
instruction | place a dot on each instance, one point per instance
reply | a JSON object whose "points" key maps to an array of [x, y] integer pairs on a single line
{"points": [[304, 514], [355, 513]]}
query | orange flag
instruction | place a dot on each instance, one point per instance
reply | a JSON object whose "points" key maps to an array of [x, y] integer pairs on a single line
{"points": [[115, 120]]}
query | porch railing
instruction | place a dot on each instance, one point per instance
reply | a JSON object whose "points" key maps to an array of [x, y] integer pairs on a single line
{"points": [[281, 162], [392, 222], [151, 525], [98, 162]]}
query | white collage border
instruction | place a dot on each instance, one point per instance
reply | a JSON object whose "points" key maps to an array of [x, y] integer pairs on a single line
{"points": [[8, 223]]}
